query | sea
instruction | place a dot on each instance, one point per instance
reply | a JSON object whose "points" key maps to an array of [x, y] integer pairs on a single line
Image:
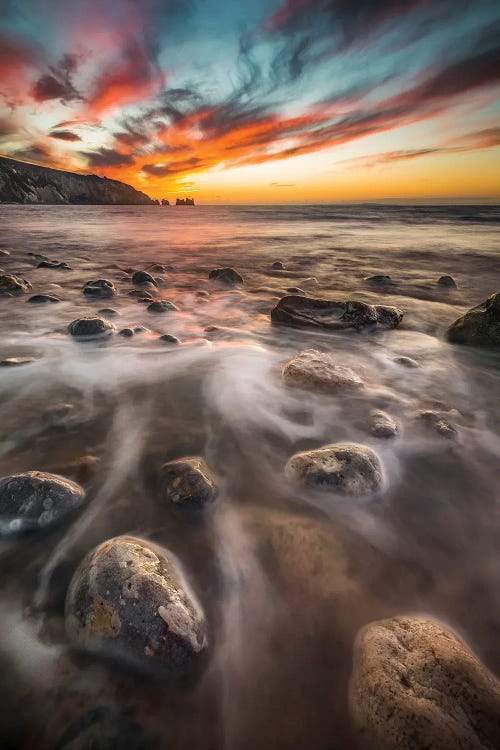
{"points": [[286, 575]]}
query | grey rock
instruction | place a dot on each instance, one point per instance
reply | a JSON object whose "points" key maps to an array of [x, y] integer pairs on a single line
{"points": [[480, 326], [169, 338], [188, 482], [126, 332], [99, 288], [415, 684], [143, 277], [307, 312], [36, 500], [226, 278], [90, 327], [162, 306], [406, 362], [41, 299], [448, 281], [382, 425], [12, 285], [16, 361], [319, 371], [128, 600], [278, 266], [341, 467]]}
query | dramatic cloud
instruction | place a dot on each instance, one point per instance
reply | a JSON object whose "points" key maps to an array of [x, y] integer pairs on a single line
{"points": [[57, 84], [65, 135], [107, 157]]}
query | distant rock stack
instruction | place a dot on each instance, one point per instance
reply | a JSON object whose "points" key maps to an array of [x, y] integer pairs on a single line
{"points": [[184, 202], [165, 202]]}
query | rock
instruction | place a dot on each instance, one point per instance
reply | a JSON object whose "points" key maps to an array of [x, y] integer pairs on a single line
{"points": [[90, 327], [278, 266], [416, 685], [448, 281], [108, 311], [10, 284], [307, 312], [319, 371], [4, 253], [105, 728], [16, 361], [382, 425], [162, 306], [129, 600], [127, 332], [440, 423], [141, 329], [36, 500], [143, 277], [295, 290], [378, 278], [158, 268], [480, 326], [188, 482], [226, 278], [54, 264], [202, 293], [138, 293], [406, 362], [41, 299], [100, 288], [145, 300], [342, 467], [168, 338]]}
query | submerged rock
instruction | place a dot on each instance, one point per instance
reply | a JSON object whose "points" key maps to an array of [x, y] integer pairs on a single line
{"points": [[439, 423], [169, 338], [416, 685], [406, 362], [319, 371], [188, 482], [480, 326], [105, 728], [10, 284], [41, 299], [382, 425], [16, 361], [342, 467], [99, 288], [90, 327], [307, 312], [36, 500], [226, 277], [378, 278], [109, 311], [162, 306], [61, 265], [448, 281], [128, 600], [126, 332], [278, 266], [4, 252], [295, 290], [143, 277]]}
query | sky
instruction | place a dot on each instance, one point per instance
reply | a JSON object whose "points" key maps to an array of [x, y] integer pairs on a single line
{"points": [[268, 101]]}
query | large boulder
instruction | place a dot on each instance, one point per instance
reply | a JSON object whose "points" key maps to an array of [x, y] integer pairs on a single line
{"points": [[307, 312], [129, 600], [319, 371], [188, 482], [91, 327], [10, 284], [226, 278], [36, 500], [346, 468], [99, 288], [161, 306], [416, 685], [480, 326]]}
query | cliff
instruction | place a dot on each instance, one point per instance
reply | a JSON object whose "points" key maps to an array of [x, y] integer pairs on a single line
{"points": [[184, 202], [27, 183]]}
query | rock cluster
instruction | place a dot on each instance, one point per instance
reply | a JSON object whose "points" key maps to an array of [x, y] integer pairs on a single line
{"points": [[330, 315]]}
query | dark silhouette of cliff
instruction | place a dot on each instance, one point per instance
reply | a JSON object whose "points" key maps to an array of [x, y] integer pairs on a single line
{"points": [[184, 202], [21, 182], [165, 202]]}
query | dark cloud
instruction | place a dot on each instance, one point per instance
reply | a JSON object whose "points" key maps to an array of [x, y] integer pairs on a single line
{"points": [[173, 168], [35, 152], [107, 157], [57, 83], [64, 135]]}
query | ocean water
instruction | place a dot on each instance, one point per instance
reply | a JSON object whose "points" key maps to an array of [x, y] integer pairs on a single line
{"points": [[286, 576]]}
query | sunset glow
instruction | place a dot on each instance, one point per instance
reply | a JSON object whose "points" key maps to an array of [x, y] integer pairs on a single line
{"points": [[288, 101]]}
